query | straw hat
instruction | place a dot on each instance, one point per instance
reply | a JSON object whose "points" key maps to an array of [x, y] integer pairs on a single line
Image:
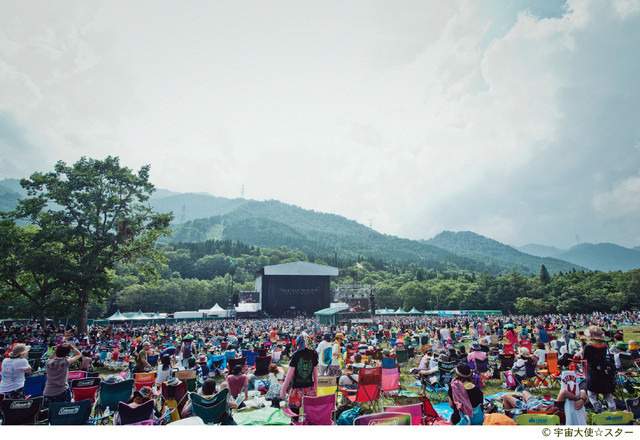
{"points": [[19, 349], [524, 351], [463, 370], [594, 332]]}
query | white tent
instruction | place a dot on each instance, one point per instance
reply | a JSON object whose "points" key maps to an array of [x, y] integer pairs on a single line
{"points": [[117, 317], [139, 316], [216, 311]]}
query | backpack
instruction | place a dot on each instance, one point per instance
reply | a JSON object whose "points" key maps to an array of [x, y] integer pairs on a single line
{"points": [[326, 355], [347, 417]]}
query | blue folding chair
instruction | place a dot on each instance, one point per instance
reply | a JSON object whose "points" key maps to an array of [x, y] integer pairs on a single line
{"points": [[34, 385]]}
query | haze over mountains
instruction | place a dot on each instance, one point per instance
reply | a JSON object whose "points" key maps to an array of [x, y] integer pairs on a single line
{"points": [[201, 217]]}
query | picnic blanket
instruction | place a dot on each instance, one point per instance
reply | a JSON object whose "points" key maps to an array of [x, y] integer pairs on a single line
{"points": [[444, 410], [261, 416]]}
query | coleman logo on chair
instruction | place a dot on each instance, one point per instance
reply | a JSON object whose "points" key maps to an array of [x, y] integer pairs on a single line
{"points": [[68, 410], [84, 383], [21, 404]]}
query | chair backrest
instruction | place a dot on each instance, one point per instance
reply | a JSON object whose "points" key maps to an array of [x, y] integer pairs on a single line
{"points": [[626, 361], [128, 415], [612, 418], [251, 358], [112, 393], [262, 365], [415, 411], [85, 388], [236, 361], [402, 356], [508, 349], [144, 379], [318, 410], [633, 406], [482, 366], [34, 385], [152, 359], [390, 379], [552, 363], [185, 374], [446, 372], [537, 419], [506, 361], [385, 418], [70, 413], [76, 374], [178, 392], [526, 343], [214, 410], [327, 385], [389, 362], [21, 411], [429, 413], [369, 385]]}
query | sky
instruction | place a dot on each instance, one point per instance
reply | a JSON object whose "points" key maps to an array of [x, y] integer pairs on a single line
{"points": [[517, 120]]}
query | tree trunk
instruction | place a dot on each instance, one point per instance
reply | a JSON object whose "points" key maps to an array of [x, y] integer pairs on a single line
{"points": [[43, 318], [83, 302]]}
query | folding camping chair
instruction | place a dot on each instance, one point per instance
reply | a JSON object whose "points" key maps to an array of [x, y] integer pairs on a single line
{"points": [[34, 385], [415, 411], [215, 410], [385, 418], [327, 385], [390, 382], [110, 394], [446, 373], [402, 356], [429, 413], [530, 377], [236, 361], [550, 375], [144, 380], [70, 413], [138, 415], [217, 364], [76, 374], [315, 411], [152, 360], [22, 411], [612, 418], [84, 389], [34, 357], [537, 419], [262, 366], [179, 393], [369, 387], [389, 362], [188, 376]]}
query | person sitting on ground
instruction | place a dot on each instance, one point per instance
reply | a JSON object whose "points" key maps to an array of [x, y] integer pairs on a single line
{"points": [[463, 394], [238, 383], [275, 378], [528, 402]]}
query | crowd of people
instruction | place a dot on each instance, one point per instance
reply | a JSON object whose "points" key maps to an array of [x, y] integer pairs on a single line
{"points": [[311, 350]]}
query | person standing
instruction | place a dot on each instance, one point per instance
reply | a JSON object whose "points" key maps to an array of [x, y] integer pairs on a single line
{"points": [[302, 374], [13, 370], [601, 371], [57, 387]]}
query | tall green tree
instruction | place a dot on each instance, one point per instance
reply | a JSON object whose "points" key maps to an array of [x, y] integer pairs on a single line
{"points": [[95, 210]]}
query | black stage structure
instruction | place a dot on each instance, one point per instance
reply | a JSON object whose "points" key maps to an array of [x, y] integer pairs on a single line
{"points": [[291, 289]]}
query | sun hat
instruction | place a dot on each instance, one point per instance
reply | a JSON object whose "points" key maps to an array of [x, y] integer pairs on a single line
{"points": [[621, 345], [19, 349], [173, 382], [594, 332], [524, 351], [202, 359], [463, 370], [188, 337], [633, 345], [339, 336]]}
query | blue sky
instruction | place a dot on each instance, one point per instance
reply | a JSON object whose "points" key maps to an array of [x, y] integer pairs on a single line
{"points": [[518, 120]]}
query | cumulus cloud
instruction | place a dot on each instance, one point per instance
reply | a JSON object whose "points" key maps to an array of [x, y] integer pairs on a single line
{"points": [[518, 122]]}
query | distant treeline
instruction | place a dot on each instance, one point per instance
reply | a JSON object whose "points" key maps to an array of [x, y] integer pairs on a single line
{"points": [[198, 275]]}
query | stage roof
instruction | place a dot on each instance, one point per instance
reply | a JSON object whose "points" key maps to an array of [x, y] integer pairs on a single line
{"points": [[303, 268], [330, 311]]}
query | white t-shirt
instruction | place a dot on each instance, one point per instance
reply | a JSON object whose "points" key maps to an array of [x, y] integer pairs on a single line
{"points": [[444, 333], [13, 374], [163, 375], [322, 346]]}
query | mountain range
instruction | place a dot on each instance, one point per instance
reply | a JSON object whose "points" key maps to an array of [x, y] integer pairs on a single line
{"points": [[200, 217]]}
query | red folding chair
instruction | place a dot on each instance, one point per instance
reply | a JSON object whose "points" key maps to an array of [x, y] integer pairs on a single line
{"points": [[315, 411], [85, 389], [369, 387]]}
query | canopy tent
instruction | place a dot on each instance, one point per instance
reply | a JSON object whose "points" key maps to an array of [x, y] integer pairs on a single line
{"points": [[139, 316], [117, 317], [386, 311], [415, 311], [400, 312], [216, 311]]}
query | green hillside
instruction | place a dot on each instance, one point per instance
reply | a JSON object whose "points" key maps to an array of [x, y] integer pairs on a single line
{"points": [[603, 256], [472, 245]]}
